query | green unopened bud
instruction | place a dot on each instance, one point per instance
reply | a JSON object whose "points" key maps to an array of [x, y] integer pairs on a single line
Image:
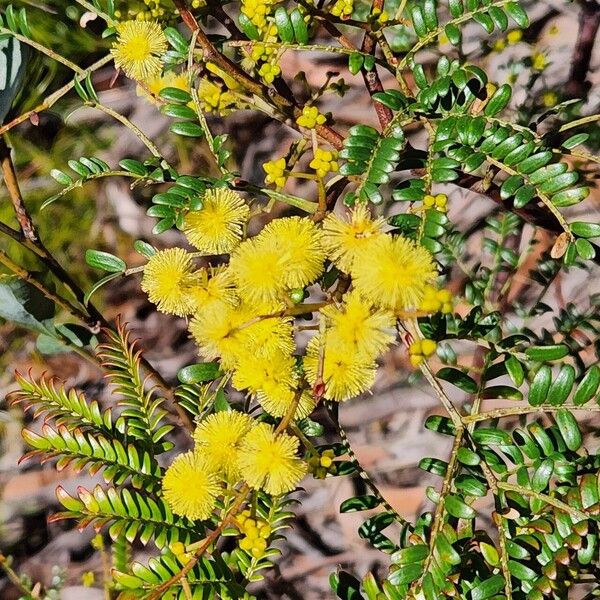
{"points": [[297, 295]]}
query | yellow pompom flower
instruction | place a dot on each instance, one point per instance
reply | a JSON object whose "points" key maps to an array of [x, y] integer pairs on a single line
{"points": [[138, 47], [217, 228], [299, 241], [267, 336], [539, 61], [419, 350], [190, 487], [218, 439], [393, 273], [514, 37], [346, 372], [272, 379], [343, 238], [269, 461], [214, 287], [216, 331], [168, 277], [259, 271], [358, 325]]}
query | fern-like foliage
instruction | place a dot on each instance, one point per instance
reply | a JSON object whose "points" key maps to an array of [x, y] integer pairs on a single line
{"points": [[68, 408], [209, 579], [134, 514], [142, 417]]}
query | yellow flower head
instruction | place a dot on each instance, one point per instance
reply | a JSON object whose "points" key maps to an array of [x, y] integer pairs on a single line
{"points": [[218, 438], [272, 379], [190, 487], [358, 325], [259, 270], [269, 461], [514, 36], [216, 330], [393, 272], [324, 162], [310, 117], [266, 337], [167, 279], [217, 228], [298, 240], [138, 47], [343, 238], [215, 287], [345, 371]]}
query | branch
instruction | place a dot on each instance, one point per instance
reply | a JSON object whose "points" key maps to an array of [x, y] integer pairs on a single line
{"points": [[589, 21]]}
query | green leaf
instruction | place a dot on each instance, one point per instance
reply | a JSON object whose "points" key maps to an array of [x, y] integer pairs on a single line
{"points": [[104, 261], [585, 249], [515, 370], [187, 129], [176, 40], [284, 25], [171, 94], [458, 508], [488, 588], [299, 26], [585, 230], [588, 386], [13, 62], [467, 457], [199, 373], [359, 503], [520, 571], [61, 177], [490, 554], [418, 21], [144, 248], [458, 378], [523, 196], [561, 387], [133, 166], [575, 140], [569, 429], [570, 197], [541, 476], [502, 391], [518, 15], [538, 391], [413, 554], [23, 304], [355, 63], [551, 352]]}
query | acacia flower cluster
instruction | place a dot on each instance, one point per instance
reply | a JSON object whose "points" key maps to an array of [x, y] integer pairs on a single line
{"points": [[242, 312]]}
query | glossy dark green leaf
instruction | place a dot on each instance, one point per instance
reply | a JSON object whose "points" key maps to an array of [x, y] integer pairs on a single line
{"points": [[187, 129], [575, 140], [171, 94], [299, 26], [500, 98], [458, 508], [550, 352], [571, 196], [518, 15], [541, 476], [535, 162], [562, 385], [284, 25], [418, 21], [458, 378], [585, 230], [588, 386], [488, 588], [412, 554], [133, 166], [359, 503], [104, 261], [355, 63], [502, 391], [538, 391], [523, 196], [453, 33], [176, 40], [585, 249], [515, 370], [467, 457], [569, 429], [199, 373]]}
